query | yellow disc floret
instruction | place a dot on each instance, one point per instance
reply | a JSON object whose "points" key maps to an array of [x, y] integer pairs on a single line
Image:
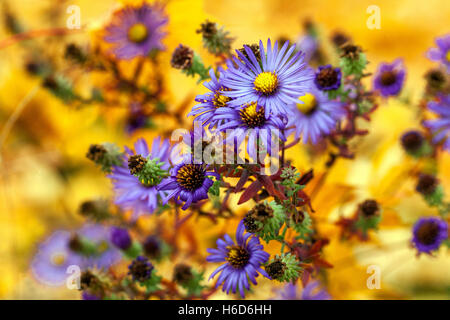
{"points": [[137, 33], [309, 103], [58, 259], [220, 100], [251, 116], [447, 56], [266, 82]]}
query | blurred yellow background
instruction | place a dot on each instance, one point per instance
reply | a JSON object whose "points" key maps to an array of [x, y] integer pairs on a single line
{"points": [[44, 174]]}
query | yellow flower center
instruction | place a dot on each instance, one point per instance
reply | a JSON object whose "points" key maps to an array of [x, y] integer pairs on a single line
{"points": [[237, 256], [309, 104], [58, 259], [251, 117], [102, 247], [137, 33], [220, 100], [266, 82], [447, 56]]}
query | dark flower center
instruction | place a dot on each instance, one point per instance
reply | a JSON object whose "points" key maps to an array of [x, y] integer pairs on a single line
{"points": [[182, 57], [182, 274], [250, 223], [140, 269], [276, 269], [327, 77], [96, 152], [251, 117], [339, 39], [254, 48], [191, 176], [136, 163], [412, 141], [219, 99], [237, 256], [208, 29], [350, 51], [388, 78], [427, 184], [88, 280], [435, 78], [152, 247], [428, 232], [75, 244], [369, 208]]}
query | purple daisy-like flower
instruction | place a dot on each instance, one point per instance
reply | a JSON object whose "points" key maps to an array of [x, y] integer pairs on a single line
{"points": [[328, 78], [251, 121], [243, 261], [53, 259], [89, 296], [131, 193], [389, 78], [274, 83], [429, 233], [188, 182], [442, 52], [440, 127], [135, 31], [209, 102], [99, 236], [314, 116]]}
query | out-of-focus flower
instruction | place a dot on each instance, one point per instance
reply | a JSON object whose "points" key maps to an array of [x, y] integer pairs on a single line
{"points": [[415, 144], [88, 296], [310, 292], [135, 31], [251, 118], [278, 81], [328, 78], [152, 247], [440, 127], [210, 101], [314, 116], [389, 78], [429, 233], [188, 182], [313, 292], [140, 269], [308, 45], [54, 256], [104, 254], [243, 261], [132, 193], [442, 52], [120, 238]]}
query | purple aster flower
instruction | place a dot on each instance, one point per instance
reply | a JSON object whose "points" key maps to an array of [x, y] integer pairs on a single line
{"points": [[440, 127], [243, 261], [277, 81], [54, 256], [136, 119], [210, 101], [389, 78], [140, 269], [251, 121], [315, 117], [328, 78], [131, 193], [313, 292], [120, 238], [135, 31], [99, 236], [442, 52], [188, 182], [429, 233]]}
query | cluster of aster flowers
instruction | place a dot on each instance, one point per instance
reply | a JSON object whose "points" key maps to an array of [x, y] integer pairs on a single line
{"points": [[269, 96]]}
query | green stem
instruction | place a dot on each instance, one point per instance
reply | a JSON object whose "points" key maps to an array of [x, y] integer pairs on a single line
{"points": [[283, 243]]}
